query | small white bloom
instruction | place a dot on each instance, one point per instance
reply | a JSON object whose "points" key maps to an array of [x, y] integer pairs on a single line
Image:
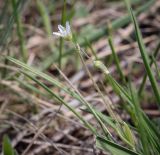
{"points": [[64, 32]]}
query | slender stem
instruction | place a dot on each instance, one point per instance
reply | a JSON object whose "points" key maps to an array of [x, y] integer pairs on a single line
{"points": [[110, 41], [20, 32], [91, 48], [60, 52], [46, 21], [145, 76], [97, 88], [61, 42], [145, 58]]}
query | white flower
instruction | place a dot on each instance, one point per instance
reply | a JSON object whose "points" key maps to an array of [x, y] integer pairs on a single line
{"points": [[64, 32]]}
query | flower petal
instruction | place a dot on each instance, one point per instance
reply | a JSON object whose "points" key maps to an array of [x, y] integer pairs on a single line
{"points": [[68, 29], [57, 34], [64, 33], [61, 28]]}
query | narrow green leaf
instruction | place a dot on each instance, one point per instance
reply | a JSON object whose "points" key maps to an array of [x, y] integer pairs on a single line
{"points": [[145, 58], [46, 21], [20, 33], [128, 135], [124, 133], [115, 56], [147, 133], [61, 41], [114, 148], [30, 87], [91, 48], [140, 122], [145, 76], [15, 152], [7, 31], [7, 147]]}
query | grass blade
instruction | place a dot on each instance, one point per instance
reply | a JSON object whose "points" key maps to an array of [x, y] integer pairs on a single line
{"points": [[7, 31], [7, 147], [46, 21], [114, 148], [140, 122], [149, 138], [145, 58], [61, 41], [145, 76], [115, 57], [20, 32]]}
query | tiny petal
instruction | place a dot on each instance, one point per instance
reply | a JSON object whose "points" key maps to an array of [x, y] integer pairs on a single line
{"points": [[64, 33], [57, 34], [61, 28], [68, 27]]}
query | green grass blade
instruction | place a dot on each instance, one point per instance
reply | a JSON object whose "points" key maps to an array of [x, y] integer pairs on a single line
{"points": [[41, 74], [119, 126], [145, 76], [8, 28], [45, 16], [115, 85], [147, 134], [61, 41], [140, 122], [6, 146], [91, 48], [15, 152], [20, 33], [115, 57], [29, 87], [106, 119], [145, 58], [46, 21], [114, 148]]}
